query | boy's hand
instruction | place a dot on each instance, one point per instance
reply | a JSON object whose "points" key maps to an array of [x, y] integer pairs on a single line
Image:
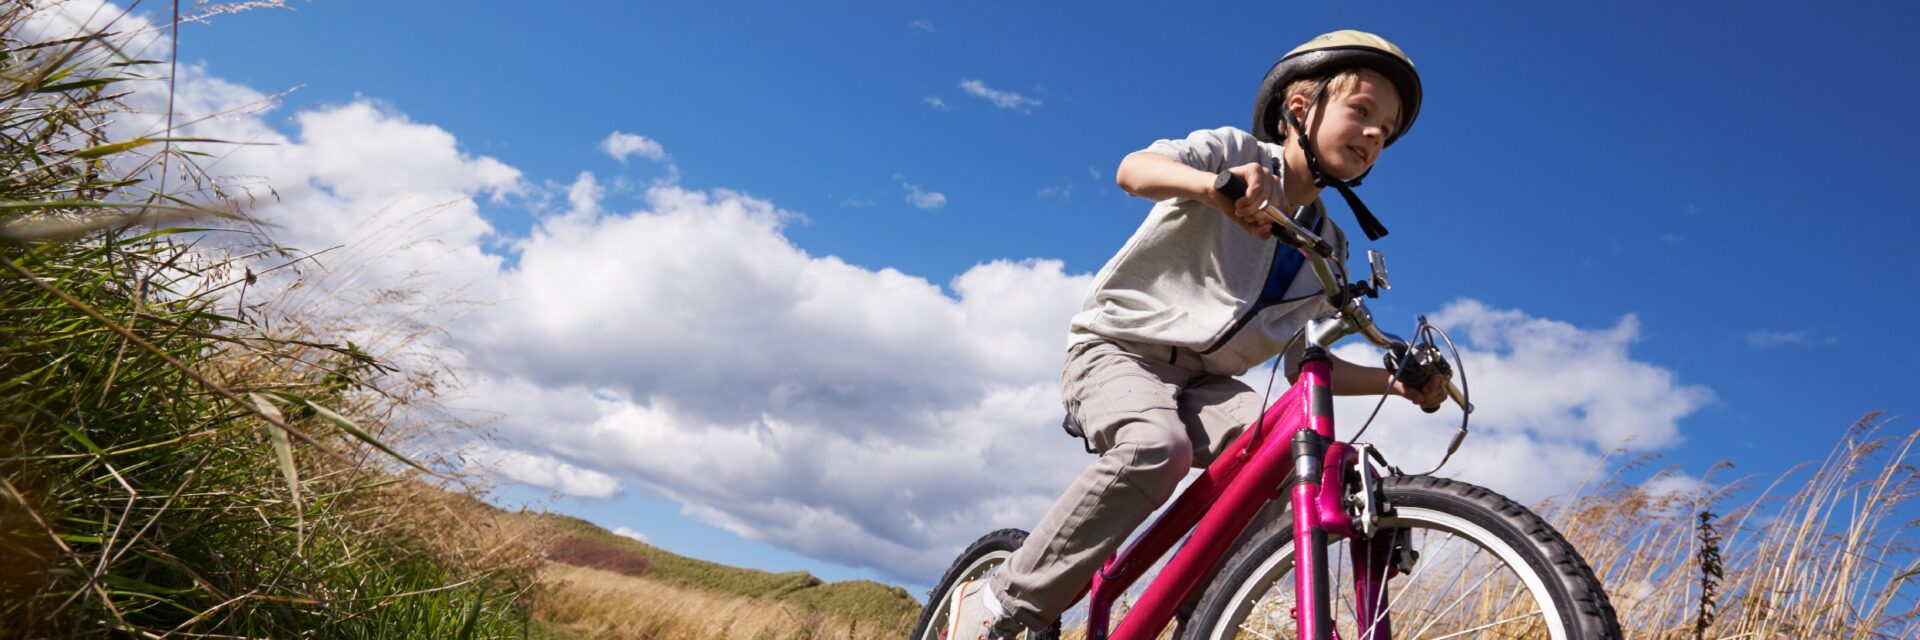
{"points": [[1428, 397], [1248, 211]]}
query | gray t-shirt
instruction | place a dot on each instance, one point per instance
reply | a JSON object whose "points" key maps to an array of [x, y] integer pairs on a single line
{"points": [[1189, 275]]}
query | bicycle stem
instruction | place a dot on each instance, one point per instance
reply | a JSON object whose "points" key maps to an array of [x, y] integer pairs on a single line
{"points": [[1354, 317]]}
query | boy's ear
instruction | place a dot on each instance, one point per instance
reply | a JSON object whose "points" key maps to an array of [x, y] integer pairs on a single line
{"points": [[1298, 105]]}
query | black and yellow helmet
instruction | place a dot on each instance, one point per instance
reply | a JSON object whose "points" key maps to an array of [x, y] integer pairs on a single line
{"points": [[1324, 55]]}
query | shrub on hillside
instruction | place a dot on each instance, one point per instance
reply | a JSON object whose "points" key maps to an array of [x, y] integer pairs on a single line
{"points": [[594, 554]]}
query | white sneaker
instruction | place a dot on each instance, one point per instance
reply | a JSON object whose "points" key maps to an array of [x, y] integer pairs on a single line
{"points": [[970, 618]]}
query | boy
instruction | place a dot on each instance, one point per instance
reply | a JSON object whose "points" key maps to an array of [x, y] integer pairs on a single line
{"points": [[1195, 298]]}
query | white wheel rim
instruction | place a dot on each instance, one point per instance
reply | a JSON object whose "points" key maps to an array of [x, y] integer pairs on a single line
{"points": [[1264, 576]]}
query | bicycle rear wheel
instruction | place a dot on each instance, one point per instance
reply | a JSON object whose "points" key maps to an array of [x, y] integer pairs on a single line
{"points": [[1487, 568], [979, 561]]}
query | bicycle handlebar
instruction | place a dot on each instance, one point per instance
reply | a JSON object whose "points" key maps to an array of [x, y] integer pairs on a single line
{"points": [[1354, 316]]}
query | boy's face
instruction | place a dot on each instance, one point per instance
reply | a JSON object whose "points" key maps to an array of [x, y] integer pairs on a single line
{"points": [[1354, 129]]}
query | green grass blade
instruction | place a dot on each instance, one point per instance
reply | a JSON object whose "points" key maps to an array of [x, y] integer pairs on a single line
{"points": [[347, 424], [283, 452], [108, 149], [473, 615]]}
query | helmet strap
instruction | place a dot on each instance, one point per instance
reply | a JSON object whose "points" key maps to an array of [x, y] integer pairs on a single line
{"points": [[1368, 223]]}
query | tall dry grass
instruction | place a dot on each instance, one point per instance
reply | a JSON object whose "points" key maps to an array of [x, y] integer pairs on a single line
{"points": [[172, 464], [1824, 551], [583, 603]]}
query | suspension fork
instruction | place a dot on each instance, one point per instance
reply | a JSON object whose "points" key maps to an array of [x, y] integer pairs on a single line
{"points": [[1318, 497], [1313, 617]]}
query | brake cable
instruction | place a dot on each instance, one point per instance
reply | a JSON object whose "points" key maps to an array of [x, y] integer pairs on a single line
{"points": [[1466, 394], [1423, 336]]}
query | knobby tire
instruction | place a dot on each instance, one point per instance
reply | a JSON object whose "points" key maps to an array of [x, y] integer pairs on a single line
{"points": [[1462, 580]]}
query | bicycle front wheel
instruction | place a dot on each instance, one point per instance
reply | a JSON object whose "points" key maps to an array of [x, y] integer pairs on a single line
{"points": [[1486, 567]]}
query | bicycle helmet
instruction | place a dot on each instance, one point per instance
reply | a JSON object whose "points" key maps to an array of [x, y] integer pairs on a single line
{"points": [[1321, 58]]}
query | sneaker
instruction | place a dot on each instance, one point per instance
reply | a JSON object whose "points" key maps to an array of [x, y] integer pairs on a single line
{"points": [[969, 618]]}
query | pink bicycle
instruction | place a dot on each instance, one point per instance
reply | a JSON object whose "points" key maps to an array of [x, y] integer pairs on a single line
{"points": [[1394, 555]]}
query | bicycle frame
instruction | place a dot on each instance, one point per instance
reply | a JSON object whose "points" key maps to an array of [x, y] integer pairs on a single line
{"points": [[1218, 506]]}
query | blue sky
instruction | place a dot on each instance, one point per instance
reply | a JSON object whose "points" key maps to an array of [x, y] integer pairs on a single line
{"points": [[1724, 174]]}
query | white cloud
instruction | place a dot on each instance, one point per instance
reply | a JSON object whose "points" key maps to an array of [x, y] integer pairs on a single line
{"points": [[621, 146], [1551, 400], [1001, 99], [925, 200], [937, 102], [541, 471], [584, 195], [135, 36], [1764, 338], [1675, 484], [1061, 191], [920, 198], [629, 533], [792, 398], [921, 26]]}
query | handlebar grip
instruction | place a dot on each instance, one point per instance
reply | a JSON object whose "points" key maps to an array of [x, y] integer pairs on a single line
{"points": [[1417, 368], [1230, 185]]}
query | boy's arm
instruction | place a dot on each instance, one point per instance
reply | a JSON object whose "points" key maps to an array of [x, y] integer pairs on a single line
{"points": [[1156, 176], [1350, 379]]}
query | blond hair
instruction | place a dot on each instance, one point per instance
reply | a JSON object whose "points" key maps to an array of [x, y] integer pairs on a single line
{"points": [[1342, 82]]}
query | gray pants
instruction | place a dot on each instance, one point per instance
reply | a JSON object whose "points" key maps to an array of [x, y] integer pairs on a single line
{"points": [[1151, 420]]}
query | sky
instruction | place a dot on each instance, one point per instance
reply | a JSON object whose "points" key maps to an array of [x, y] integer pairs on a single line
{"points": [[785, 285]]}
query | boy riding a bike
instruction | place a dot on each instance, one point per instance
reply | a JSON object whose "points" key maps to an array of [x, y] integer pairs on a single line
{"points": [[1201, 293]]}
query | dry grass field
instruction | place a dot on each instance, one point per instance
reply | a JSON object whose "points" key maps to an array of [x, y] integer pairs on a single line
{"points": [[578, 602]]}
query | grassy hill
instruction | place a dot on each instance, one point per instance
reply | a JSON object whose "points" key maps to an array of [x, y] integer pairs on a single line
{"points": [[603, 585]]}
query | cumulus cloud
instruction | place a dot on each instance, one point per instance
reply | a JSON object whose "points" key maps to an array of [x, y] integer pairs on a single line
{"points": [[860, 416], [542, 471], [622, 145], [937, 102], [629, 533], [1551, 400], [687, 348], [584, 195], [1001, 99]]}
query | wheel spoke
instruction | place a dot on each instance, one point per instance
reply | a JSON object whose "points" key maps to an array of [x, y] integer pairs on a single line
{"points": [[1456, 602], [1486, 626], [1476, 576], [1443, 559], [1244, 627]]}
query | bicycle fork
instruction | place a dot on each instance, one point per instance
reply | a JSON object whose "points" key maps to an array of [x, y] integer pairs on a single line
{"points": [[1319, 506]]}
